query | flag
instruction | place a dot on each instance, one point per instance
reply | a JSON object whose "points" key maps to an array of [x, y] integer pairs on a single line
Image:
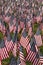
{"points": [[41, 59], [4, 53], [0, 62], [32, 56], [9, 45], [7, 19], [11, 27], [21, 55], [14, 21], [0, 27], [14, 50], [39, 19], [24, 41], [19, 28], [22, 24], [28, 47], [3, 29]]}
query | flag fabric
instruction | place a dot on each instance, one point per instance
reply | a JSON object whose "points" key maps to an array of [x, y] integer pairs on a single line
{"points": [[0, 27], [14, 29], [11, 27], [14, 50], [39, 18], [3, 29], [28, 47], [19, 28], [32, 57], [7, 19], [41, 60], [4, 53], [14, 21], [24, 41], [21, 56], [0, 63], [32, 54], [38, 40], [22, 24], [9, 45]]}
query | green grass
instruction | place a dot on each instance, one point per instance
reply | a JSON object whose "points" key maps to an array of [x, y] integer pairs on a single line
{"points": [[1, 35], [6, 61], [35, 26], [24, 52], [28, 63], [41, 50], [6, 24], [12, 34], [41, 33], [18, 36]]}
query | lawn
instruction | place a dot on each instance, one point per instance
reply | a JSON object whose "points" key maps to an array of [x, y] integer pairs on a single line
{"points": [[12, 34], [41, 50], [1, 35], [35, 26], [41, 32], [28, 63], [24, 52], [19, 35], [6, 61]]}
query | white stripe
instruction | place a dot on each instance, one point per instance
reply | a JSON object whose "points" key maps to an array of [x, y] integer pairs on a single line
{"points": [[33, 56], [21, 53], [28, 54]]}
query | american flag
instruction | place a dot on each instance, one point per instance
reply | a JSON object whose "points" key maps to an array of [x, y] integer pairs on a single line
{"points": [[28, 47], [3, 29], [38, 40], [11, 27], [22, 24], [24, 41], [41, 60], [0, 62], [14, 21], [39, 18], [19, 28], [14, 29], [30, 31], [9, 45], [14, 50], [0, 27], [21, 56], [7, 19], [32, 57], [4, 53]]}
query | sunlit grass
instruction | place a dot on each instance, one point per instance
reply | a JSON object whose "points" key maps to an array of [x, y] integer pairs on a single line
{"points": [[35, 26], [1, 35], [41, 50], [28, 63]]}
